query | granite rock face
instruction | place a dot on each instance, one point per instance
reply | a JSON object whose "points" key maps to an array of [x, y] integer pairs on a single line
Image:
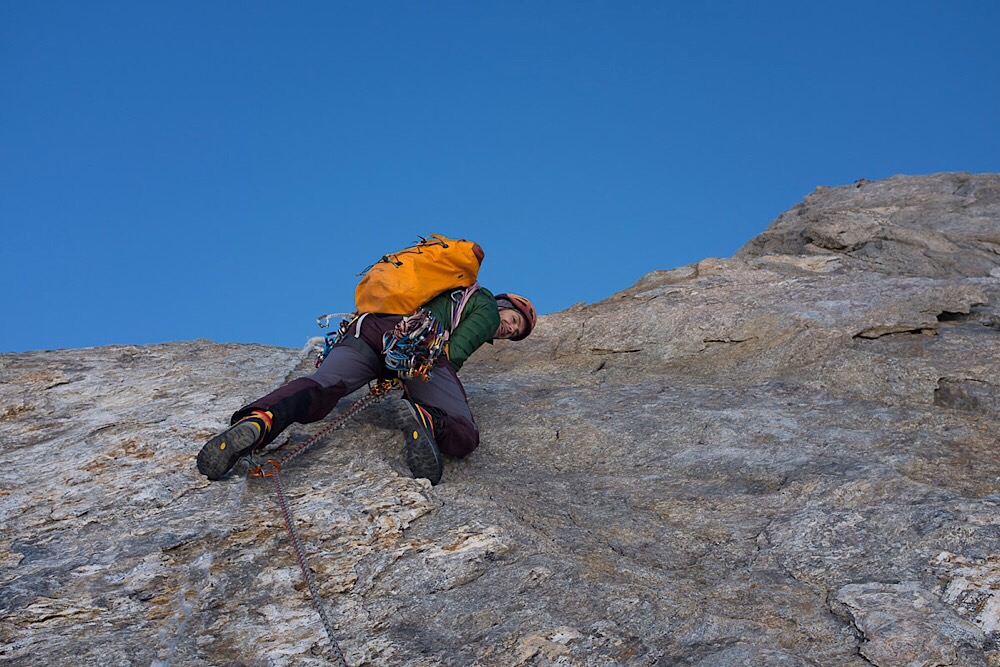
{"points": [[927, 226], [785, 458]]}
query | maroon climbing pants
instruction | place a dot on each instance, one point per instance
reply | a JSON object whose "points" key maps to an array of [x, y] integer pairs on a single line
{"points": [[357, 360]]}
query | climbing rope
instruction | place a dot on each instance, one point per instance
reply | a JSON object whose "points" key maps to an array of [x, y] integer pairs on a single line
{"points": [[410, 351], [375, 393]]}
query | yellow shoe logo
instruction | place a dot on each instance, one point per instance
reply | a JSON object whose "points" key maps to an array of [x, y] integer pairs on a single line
{"points": [[222, 445], [416, 436]]}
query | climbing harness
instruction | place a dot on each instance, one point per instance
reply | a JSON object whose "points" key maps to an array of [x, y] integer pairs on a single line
{"points": [[413, 346], [375, 393]]}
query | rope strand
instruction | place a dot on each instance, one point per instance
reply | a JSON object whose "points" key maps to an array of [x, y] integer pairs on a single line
{"points": [[375, 393], [306, 572]]}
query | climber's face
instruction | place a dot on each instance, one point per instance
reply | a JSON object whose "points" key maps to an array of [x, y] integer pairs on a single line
{"points": [[511, 324]]}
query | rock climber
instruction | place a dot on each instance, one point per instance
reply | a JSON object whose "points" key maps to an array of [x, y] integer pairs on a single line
{"points": [[440, 409]]}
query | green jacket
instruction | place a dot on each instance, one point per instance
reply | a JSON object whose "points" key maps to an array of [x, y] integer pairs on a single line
{"points": [[479, 322]]}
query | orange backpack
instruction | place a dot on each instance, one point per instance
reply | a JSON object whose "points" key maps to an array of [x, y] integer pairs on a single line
{"points": [[401, 282]]}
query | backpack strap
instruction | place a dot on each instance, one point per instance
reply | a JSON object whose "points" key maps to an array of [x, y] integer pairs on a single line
{"points": [[460, 299]]}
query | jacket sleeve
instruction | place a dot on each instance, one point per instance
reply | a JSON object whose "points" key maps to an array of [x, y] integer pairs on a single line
{"points": [[478, 324]]}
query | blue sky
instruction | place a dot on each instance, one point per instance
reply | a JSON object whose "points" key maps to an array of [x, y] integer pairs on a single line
{"points": [[222, 170]]}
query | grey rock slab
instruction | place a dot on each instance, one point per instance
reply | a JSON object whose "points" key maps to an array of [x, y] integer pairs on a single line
{"points": [[934, 226], [783, 458], [903, 625]]}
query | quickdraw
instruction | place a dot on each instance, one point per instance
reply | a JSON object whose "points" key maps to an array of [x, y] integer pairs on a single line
{"points": [[332, 337], [414, 345], [375, 393]]}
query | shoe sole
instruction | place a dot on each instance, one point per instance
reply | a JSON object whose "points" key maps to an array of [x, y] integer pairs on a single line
{"points": [[422, 454], [221, 453]]}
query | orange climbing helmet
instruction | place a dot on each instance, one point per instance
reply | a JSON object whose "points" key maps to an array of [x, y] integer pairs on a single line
{"points": [[521, 305]]}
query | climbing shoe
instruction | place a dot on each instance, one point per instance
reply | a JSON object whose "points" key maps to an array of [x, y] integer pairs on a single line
{"points": [[221, 453], [422, 453]]}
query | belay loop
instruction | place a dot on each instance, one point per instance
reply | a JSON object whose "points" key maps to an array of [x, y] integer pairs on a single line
{"points": [[413, 346]]}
